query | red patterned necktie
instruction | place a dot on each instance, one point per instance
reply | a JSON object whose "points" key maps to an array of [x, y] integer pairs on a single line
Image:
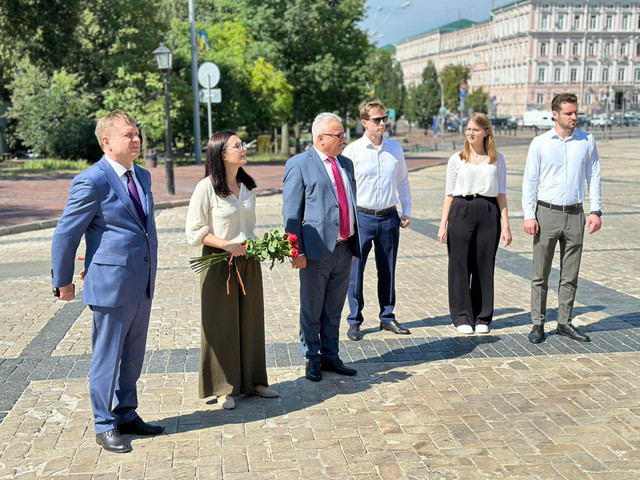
{"points": [[133, 193], [342, 200]]}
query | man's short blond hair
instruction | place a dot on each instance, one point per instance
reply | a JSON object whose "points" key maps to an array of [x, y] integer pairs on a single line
{"points": [[105, 122], [367, 106]]}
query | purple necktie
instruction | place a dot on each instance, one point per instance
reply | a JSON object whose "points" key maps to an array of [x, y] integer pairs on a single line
{"points": [[342, 200], [133, 193]]}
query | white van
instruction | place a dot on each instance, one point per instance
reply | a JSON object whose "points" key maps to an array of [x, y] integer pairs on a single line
{"points": [[538, 118]]}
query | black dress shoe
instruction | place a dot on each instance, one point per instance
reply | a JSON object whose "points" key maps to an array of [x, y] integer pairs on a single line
{"points": [[395, 327], [570, 331], [139, 427], [537, 334], [354, 332], [338, 366], [113, 442], [313, 371]]}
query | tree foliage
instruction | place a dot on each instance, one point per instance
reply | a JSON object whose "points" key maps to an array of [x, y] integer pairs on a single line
{"points": [[478, 100], [452, 77], [385, 75], [426, 97]]}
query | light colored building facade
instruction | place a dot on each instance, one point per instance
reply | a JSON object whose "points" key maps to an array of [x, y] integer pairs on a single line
{"points": [[530, 50]]}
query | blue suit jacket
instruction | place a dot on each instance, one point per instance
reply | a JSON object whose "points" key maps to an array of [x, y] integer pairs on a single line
{"points": [[121, 253], [310, 204]]}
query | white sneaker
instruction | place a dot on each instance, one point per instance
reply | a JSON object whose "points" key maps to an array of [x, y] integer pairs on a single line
{"points": [[228, 402], [465, 329], [482, 328]]}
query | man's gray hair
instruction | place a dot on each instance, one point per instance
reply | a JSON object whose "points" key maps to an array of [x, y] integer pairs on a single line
{"points": [[320, 121]]}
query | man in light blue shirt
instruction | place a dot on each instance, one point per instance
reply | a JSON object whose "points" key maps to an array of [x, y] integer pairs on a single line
{"points": [[559, 165]]}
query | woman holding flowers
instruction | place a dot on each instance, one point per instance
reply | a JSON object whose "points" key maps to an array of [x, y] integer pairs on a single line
{"points": [[475, 201], [221, 216]]}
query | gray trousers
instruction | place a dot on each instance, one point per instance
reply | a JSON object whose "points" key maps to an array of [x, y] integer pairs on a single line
{"points": [[567, 229]]}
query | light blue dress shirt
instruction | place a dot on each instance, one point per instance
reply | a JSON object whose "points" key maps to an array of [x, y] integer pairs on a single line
{"points": [[559, 170]]}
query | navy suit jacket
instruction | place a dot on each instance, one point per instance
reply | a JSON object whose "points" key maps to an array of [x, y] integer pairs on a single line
{"points": [[310, 204], [121, 252]]}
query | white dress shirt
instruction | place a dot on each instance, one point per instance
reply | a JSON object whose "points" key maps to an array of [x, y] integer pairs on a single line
{"points": [[559, 169], [121, 172], [231, 218], [347, 189], [381, 174], [484, 179]]}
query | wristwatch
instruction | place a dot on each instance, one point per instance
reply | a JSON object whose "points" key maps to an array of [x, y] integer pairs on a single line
{"points": [[596, 212]]}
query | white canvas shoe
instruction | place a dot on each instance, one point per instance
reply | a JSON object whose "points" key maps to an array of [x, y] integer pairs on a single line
{"points": [[465, 329], [482, 328]]}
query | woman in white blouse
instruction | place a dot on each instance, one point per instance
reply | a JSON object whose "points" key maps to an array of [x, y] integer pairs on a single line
{"points": [[475, 201], [221, 216]]}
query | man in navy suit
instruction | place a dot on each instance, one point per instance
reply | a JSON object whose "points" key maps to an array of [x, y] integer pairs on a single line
{"points": [[319, 207], [112, 206]]}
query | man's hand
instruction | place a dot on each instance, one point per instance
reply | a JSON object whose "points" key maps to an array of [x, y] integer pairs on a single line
{"points": [[82, 272], [299, 262], [67, 292], [594, 223], [531, 226], [405, 221]]}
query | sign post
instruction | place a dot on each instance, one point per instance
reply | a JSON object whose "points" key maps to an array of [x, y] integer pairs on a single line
{"points": [[209, 76]]}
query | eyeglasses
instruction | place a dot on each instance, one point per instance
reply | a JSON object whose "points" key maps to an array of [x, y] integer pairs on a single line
{"points": [[339, 136], [240, 146], [472, 130], [377, 120]]}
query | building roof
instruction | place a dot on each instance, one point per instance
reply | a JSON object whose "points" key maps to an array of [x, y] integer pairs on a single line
{"points": [[447, 28], [388, 46]]}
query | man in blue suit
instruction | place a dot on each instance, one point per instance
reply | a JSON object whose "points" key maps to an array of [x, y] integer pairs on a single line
{"points": [[319, 200], [112, 206]]}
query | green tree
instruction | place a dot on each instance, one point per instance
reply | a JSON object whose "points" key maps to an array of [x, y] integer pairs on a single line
{"points": [[426, 97], [386, 77], [53, 114], [452, 77], [478, 100]]}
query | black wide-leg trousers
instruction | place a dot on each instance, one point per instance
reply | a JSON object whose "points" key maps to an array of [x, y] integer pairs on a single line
{"points": [[473, 235]]}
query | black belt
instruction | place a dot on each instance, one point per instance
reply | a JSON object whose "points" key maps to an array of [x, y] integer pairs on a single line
{"points": [[475, 195], [377, 213], [341, 242], [575, 208]]}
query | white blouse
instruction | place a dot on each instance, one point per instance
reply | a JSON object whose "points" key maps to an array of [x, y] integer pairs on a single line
{"points": [[468, 179], [229, 217]]}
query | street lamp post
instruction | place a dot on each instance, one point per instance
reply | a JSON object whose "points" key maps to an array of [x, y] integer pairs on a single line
{"points": [[164, 58], [373, 32]]}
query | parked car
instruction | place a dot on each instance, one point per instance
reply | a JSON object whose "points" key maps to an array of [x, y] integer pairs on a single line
{"points": [[451, 126], [600, 121]]}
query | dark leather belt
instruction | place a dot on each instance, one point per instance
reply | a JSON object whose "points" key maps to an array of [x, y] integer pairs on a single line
{"points": [[377, 213], [475, 195], [340, 242], [575, 208]]}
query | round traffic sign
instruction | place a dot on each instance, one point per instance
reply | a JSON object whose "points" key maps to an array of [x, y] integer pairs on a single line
{"points": [[208, 75]]}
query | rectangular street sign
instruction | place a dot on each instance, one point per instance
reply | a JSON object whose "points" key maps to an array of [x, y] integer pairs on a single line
{"points": [[214, 95]]}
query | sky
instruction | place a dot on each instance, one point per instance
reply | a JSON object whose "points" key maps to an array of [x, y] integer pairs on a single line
{"points": [[421, 16]]}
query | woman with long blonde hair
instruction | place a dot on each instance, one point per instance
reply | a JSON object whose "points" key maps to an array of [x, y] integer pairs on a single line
{"points": [[475, 202]]}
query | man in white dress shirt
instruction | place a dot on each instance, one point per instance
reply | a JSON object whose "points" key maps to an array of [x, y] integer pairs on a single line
{"points": [[382, 181], [559, 164]]}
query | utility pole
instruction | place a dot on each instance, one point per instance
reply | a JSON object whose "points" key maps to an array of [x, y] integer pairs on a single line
{"points": [[194, 84]]}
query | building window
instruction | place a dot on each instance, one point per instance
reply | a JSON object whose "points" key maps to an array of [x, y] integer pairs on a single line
{"points": [[623, 49], [573, 77], [587, 98], [636, 75], [590, 74], [608, 25], [593, 21], [575, 49], [556, 75], [559, 48], [607, 49], [621, 74], [576, 21], [560, 21], [540, 98], [544, 22], [592, 49], [636, 96], [625, 22], [541, 71], [605, 74], [543, 49]]}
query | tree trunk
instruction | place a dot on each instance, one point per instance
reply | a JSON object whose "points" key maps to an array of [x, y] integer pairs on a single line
{"points": [[275, 141], [285, 139], [296, 134]]}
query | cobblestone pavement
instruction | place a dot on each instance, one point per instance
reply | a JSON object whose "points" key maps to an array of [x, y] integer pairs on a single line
{"points": [[433, 405]]}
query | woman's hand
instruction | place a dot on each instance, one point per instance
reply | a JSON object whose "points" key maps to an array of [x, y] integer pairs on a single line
{"points": [[235, 249], [506, 235], [442, 234]]}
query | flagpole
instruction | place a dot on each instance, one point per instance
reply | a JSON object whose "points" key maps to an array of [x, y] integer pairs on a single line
{"points": [[194, 84]]}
